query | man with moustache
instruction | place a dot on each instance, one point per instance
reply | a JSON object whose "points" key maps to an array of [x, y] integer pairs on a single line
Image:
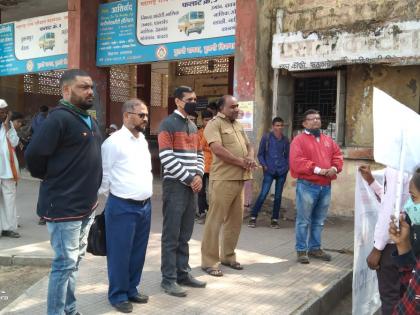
{"points": [[127, 178], [233, 160], [183, 163], [315, 160], [66, 153]]}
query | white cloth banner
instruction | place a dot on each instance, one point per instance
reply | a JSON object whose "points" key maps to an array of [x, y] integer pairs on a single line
{"points": [[396, 130], [365, 284]]}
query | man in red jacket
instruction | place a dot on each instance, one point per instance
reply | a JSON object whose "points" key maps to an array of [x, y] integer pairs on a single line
{"points": [[315, 160]]}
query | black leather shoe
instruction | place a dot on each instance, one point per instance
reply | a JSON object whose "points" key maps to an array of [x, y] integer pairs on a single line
{"points": [[11, 234], [192, 282], [172, 288], [139, 298], [124, 307]]}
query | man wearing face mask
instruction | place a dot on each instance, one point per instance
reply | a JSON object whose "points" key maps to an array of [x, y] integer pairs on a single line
{"points": [[66, 153], [183, 167], [315, 160], [129, 186]]}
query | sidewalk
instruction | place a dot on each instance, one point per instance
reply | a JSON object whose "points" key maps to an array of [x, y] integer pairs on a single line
{"points": [[271, 283]]}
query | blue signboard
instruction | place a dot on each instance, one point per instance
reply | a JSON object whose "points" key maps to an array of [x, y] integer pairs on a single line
{"points": [[34, 45], [139, 31]]}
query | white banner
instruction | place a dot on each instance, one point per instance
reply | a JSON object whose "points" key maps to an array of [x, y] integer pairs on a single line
{"points": [[396, 130], [366, 299], [41, 36]]}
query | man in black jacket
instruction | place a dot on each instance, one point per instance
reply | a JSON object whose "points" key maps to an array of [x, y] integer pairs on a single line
{"points": [[66, 154]]}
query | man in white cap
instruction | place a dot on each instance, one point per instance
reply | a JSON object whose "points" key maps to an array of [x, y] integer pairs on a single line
{"points": [[9, 173]]}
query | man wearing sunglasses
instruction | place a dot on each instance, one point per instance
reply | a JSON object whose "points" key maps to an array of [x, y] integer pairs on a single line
{"points": [[127, 179], [183, 168]]}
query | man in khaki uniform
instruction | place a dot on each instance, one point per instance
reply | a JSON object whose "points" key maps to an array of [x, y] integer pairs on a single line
{"points": [[233, 160]]}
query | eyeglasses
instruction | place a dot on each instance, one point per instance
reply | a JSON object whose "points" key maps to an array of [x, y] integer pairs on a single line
{"points": [[315, 118], [141, 115]]}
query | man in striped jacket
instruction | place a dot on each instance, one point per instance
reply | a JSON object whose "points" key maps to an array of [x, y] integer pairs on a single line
{"points": [[183, 166]]}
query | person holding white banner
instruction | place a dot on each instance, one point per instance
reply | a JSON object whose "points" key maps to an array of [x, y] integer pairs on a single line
{"points": [[407, 254], [380, 258]]}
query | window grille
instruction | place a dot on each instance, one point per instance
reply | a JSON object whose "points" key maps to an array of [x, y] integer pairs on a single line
{"points": [[47, 83], [202, 66], [320, 94], [119, 83]]}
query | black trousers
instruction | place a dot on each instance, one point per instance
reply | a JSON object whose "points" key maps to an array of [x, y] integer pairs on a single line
{"points": [[202, 198], [178, 223], [388, 280]]}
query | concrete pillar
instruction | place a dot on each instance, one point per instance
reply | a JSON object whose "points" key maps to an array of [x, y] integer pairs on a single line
{"points": [[83, 22], [246, 33]]}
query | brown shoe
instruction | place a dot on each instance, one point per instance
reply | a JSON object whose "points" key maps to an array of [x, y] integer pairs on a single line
{"points": [[319, 254], [302, 257]]}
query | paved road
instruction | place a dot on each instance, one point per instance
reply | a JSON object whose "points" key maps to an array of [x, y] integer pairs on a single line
{"points": [[272, 282]]}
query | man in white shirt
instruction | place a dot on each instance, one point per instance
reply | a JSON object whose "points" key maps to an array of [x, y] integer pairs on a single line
{"points": [[380, 258], [127, 177], [9, 173]]}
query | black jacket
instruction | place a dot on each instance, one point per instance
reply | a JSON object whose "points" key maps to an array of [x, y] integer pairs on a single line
{"points": [[66, 155]]}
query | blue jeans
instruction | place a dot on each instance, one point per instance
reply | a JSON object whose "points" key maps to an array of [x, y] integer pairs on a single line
{"points": [[69, 241], [265, 189], [127, 227], [312, 202]]}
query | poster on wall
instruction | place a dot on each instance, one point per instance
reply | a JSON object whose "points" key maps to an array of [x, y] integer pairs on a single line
{"points": [[138, 31], [246, 115], [34, 45]]}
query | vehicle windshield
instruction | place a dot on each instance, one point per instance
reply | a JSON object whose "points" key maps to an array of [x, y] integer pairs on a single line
{"points": [[197, 15]]}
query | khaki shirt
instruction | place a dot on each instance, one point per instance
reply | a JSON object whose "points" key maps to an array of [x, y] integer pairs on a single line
{"points": [[234, 139]]}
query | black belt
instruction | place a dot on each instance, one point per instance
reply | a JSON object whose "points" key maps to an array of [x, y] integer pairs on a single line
{"points": [[141, 203]]}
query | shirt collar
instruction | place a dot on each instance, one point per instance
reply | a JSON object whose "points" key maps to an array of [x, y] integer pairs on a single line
{"points": [[128, 133], [221, 115], [179, 113]]}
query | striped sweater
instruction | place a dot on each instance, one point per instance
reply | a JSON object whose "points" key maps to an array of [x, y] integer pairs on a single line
{"points": [[180, 151]]}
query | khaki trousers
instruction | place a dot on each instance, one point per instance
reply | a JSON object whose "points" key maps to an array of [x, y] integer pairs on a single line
{"points": [[8, 216], [226, 209]]}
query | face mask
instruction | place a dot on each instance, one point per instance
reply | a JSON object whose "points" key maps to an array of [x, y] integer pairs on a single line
{"points": [[315, 132], [190, 108], [413, 211]]}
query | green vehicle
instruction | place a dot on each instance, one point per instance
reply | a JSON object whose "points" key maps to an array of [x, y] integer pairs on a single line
{"points": [[47, 41], [191, 22]]}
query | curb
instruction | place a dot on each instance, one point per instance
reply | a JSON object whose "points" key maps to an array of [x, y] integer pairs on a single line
{"points": [[326, 302], [20, 260]]}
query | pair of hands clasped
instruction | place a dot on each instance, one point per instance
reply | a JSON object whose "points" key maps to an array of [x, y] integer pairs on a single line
{"points": [[196, 184], [248, 163], [329, 172]]}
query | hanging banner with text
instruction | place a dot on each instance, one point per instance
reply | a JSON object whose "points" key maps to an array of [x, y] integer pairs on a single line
{"points": [[34, 45], [365, 283], [132, 31]]}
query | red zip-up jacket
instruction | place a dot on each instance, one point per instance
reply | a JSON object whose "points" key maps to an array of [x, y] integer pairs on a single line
{"points": [[306, 153]]}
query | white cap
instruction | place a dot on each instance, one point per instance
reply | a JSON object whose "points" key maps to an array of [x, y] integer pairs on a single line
{"points": [[3, 103], [113, 126]]}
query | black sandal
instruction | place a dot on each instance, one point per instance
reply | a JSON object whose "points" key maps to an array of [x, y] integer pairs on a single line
{"points": [[235, 265], [213, 271]]}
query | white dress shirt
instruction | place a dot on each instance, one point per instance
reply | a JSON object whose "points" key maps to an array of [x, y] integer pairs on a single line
{"points": [[127, 166], [387, 195], [11, 135]]}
